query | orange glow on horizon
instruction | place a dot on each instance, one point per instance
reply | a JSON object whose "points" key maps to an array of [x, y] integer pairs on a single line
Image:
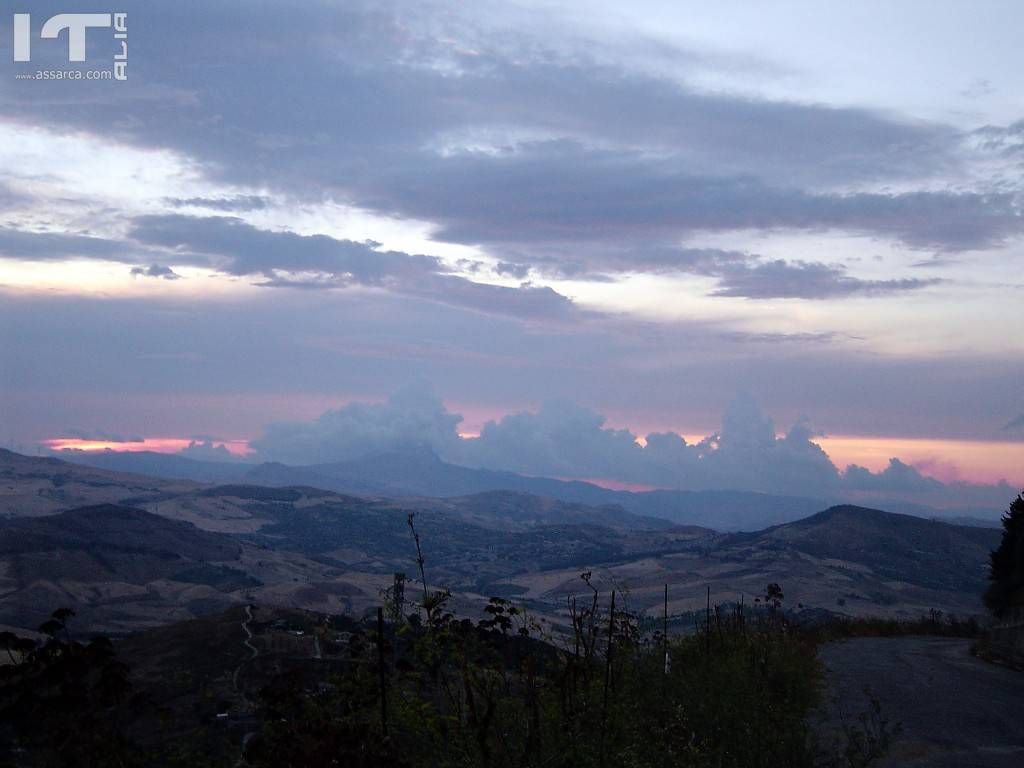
{"points": [[974, 461], [154, 444], [612, 485], [948, 460]]}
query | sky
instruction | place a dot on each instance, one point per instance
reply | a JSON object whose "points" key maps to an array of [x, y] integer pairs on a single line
{"points": [[553, 224]]}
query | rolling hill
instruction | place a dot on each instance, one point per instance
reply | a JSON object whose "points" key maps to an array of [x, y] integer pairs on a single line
{"points": [[185, 549], [421, 473]]}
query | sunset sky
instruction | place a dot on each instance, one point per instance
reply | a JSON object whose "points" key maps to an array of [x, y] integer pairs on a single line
{"points": [[568, 224]]}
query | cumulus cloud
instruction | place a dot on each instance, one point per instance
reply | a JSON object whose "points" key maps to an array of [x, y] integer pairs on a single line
{"points": [[896, 478], [566, 440], [562, 439], [413, 417], [207, 449]]}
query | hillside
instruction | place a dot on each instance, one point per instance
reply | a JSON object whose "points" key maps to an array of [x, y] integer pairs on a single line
{"points": [[901, 547], [422, 473], [185, 549], [111, 532], [848, 560], [122, 568], [35, 485]]}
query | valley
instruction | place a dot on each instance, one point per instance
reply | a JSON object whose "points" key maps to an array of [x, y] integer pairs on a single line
{"points": [[130, 552]]}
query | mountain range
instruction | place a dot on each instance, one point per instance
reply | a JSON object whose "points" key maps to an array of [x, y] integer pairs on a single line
{"points": [[420, 472], [129, 552]]}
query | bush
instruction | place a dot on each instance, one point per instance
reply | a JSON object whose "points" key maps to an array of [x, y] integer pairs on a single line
{"points": [[499, 692]]}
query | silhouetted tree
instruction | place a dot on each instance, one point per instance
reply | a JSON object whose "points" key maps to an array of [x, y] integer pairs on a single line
{"points": [[62, 702], [773, 595], [1007, 563]]}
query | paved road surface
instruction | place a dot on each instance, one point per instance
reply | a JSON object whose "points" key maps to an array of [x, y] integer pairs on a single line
{"points": [[955, 711]]}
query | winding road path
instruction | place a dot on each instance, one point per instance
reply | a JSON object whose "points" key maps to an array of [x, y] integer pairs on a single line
{"points": [[955, 710], [253, 651], [250, 705]]}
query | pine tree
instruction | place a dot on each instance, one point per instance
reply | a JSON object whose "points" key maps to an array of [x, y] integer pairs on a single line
{"points": [[1007, 564]]}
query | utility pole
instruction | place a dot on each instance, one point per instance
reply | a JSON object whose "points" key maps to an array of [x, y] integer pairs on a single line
{"points": [[381, 672]]}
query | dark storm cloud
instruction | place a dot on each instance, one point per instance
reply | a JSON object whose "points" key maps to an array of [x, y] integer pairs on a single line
{"points": [[375, 106]]}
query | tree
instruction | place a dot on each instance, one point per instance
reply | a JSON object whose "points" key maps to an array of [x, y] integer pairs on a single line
{"points": [[1007, 563], [773, 595], [63, 702]]}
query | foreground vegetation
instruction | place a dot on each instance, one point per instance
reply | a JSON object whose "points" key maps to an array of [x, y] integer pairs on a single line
{"points": [[422, 688], [417, 686], [491, 694]]}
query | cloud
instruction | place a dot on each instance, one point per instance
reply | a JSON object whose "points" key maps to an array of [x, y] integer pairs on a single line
{"points": [[100, 436], [61, 362], [521, 144], [227, 204], [779, 279], [564, 439], [238, 248], [207, 450], [751, 276], [617, 197], [290, 260], [156, 270], [413, 417], [1017, 423], [27, 245], [896, 478]]}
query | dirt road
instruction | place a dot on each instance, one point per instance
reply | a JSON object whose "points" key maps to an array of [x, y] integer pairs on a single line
{"points": [[955, 711]]}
